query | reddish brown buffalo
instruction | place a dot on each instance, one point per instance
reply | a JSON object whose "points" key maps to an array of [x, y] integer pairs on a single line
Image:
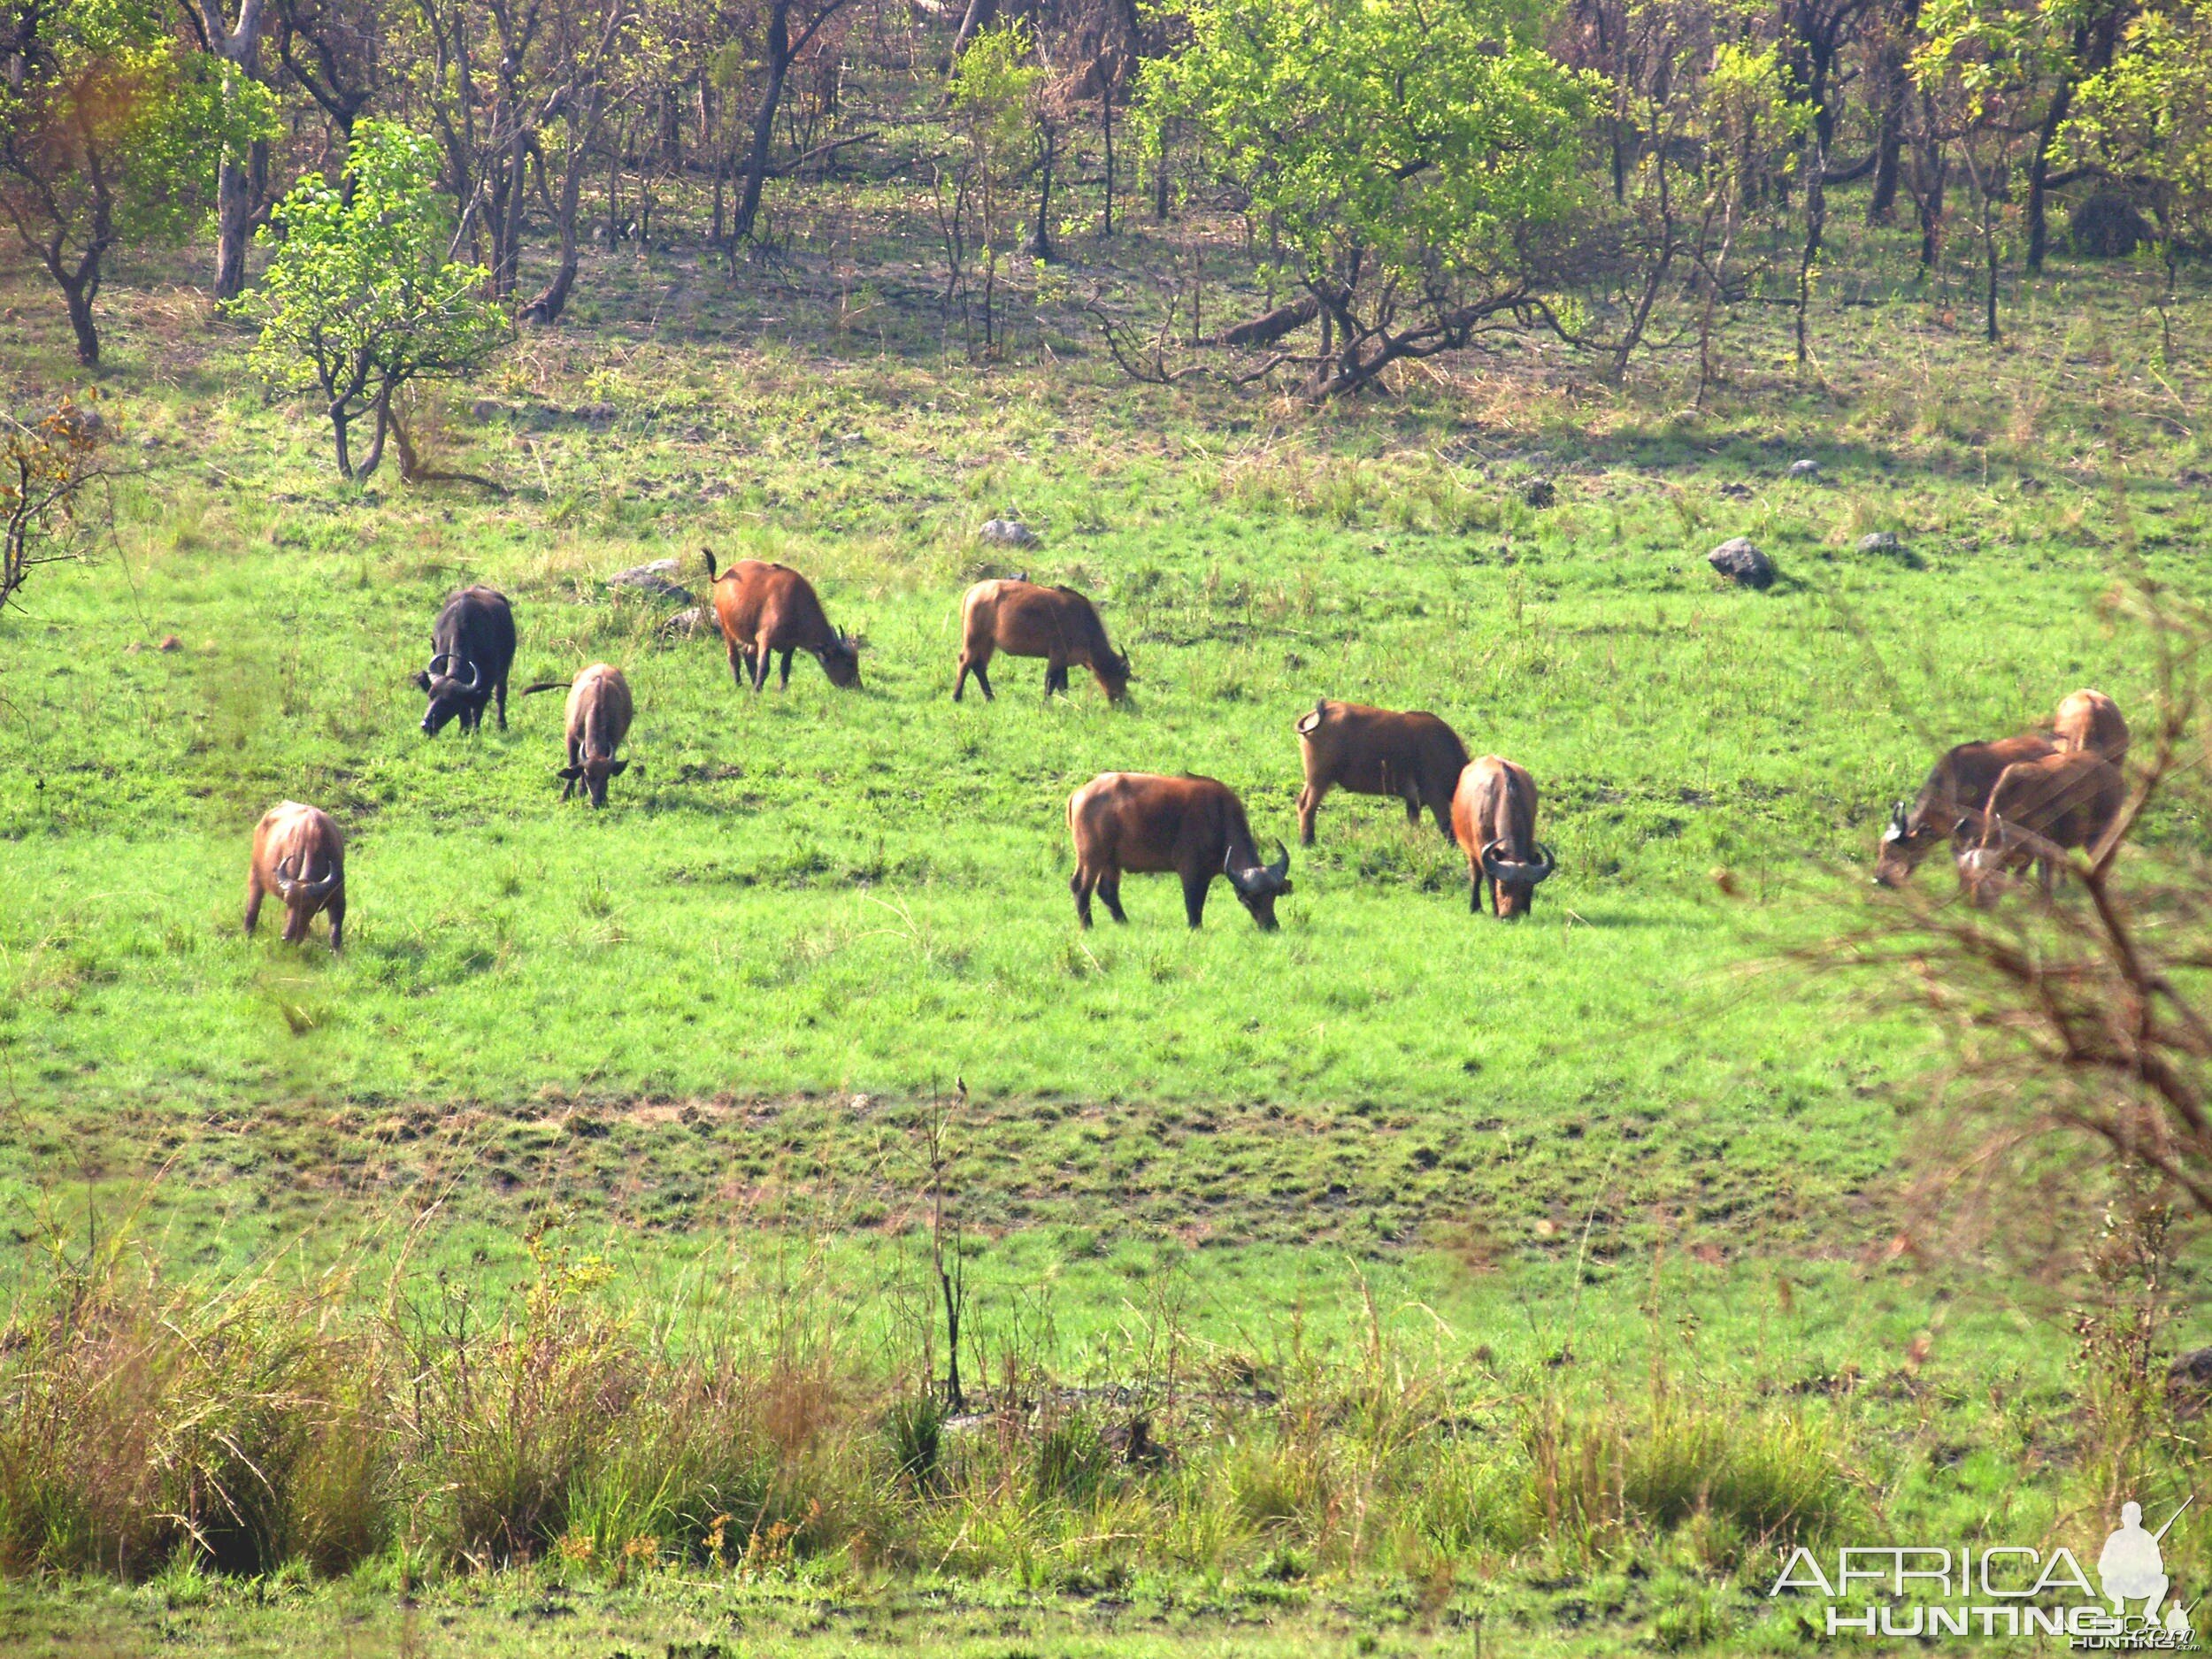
{"points": [[1957, 792], [768, 609], [2037, 810], [299, 856], [1142, 823], [1494, 819], [1023, 620], [599, 710], [2090, 721], [1378, 752]]}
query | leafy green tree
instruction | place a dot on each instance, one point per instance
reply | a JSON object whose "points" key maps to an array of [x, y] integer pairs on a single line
{"points": [[1404, 154], [992, 83], [109, 134], [361, 297], [2146, 117]]}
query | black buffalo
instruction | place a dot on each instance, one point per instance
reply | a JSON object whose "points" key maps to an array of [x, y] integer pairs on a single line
{"points": [[472, 646]]}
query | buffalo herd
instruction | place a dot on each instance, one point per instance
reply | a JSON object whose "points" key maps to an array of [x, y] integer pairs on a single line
{"points": [[2002, 805]]}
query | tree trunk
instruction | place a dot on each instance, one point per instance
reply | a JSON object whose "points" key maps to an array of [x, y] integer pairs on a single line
{"points": [[974, 21], [764, 119], [241, 49], [78, 296], [547, 306], [1816, 227], [1106, 125], [2040, 172], [1048, 153]]}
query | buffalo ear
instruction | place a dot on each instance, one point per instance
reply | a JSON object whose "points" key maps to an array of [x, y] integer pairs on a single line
{"points": [[422, 680], [617, 769], [569, 773]]}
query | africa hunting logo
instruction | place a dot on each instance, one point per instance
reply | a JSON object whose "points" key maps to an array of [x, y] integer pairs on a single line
{"points": [[2006, 1590]]}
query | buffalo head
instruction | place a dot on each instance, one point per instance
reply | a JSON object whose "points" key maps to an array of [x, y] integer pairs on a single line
{"points": [[841, 661], [454, 686], [1514, 883], [1258, 887]]}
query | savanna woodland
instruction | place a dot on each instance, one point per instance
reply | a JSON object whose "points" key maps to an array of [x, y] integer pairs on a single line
{"points": [[673, 1172]]}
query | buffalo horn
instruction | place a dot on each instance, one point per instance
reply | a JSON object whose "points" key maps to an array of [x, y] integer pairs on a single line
{"points": [[1279, 870], [474, 677], [1542, 868], [1489, 858], [1900, 818], [442, 656], [315, 890], [284, 878]]}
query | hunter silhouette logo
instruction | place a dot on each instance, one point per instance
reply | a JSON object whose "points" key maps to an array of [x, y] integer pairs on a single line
{"points": [[2132, 1567], [2006, 1590]]}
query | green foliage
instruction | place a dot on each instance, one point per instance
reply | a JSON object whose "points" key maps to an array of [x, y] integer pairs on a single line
{"points": [[360, 298], [110, 135], [1395, 147], [2147, 114]]}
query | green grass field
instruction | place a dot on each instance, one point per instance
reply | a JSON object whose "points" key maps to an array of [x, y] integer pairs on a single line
{"points": [[702, 1033]]}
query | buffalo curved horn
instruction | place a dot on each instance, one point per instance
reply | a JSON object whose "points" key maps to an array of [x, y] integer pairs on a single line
{"points": [[475, 677], [313, 891], [1279, 870], [1488, 858], [1900, 818], [286, 875], [442, 656], [1540, 871]]}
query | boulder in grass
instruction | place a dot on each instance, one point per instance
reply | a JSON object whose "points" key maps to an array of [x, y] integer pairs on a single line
{"points": [[2189, 1382], [1008, 533], [1808, 468], [1739, 560], [1539, 493], [653, 580], [690, 624]]}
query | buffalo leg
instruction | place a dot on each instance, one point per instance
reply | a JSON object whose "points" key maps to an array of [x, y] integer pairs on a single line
{"points": [[960, 682], [1474, 893], [1055, 676], [760, 669], [1080, 883], [1110, 890], [575, 760], [741, 663], [1308, 805], [983, 678], [336, 910], [1194, 896], [783, 673], [499, 691], [254, 895], [1442, 807]]}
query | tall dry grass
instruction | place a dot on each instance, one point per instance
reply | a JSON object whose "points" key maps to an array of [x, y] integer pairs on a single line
{"points": [[271, 1424]]}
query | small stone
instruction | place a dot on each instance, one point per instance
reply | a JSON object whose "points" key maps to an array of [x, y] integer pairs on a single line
{"points": [[1739, 560], [1539, 493], [596, 414], [1736, 490], [688, 624], [1882, 541], [1805, 468], [1008, 533], [483, 411], [655, 580]]}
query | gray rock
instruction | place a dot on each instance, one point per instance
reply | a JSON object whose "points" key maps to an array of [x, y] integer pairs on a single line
{"points": [[654, 580], [1882, 541], [483, 411], [1739, 560], [1539, 493], [688, 624], [596, 414], [1008, 533], [1805, 468], [1736, 490]]}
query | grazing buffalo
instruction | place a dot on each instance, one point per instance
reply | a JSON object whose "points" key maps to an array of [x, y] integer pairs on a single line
{"points": [[2091, 722], [1378, 752], [1494, 819], [1957, 791], [299, 856], [1023, 620], [599, 710], [1142, 823], [2037, 810], [472, 646], [769, 609]]}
